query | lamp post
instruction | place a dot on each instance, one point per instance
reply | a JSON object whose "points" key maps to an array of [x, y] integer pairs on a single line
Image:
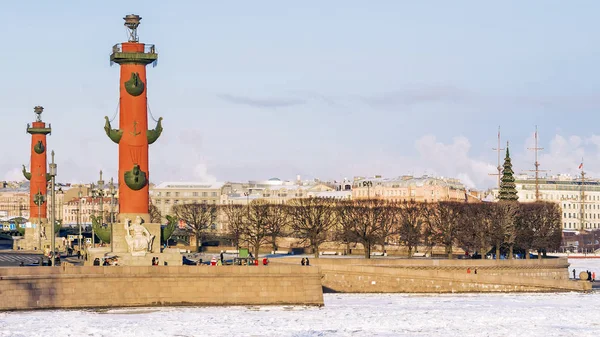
{"points": [[53, 209], [112, 191], [92, 194], [80, 195], [100, 194]]}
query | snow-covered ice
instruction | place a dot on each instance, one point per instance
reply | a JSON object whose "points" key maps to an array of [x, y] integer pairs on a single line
{"points": [[555, 314]]}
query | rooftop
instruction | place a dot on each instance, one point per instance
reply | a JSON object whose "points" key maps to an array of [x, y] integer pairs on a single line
{"points": [[190, 185], [405, 181]]}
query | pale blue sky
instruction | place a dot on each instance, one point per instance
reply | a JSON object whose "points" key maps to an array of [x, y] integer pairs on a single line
{"points": [[328, 89]]}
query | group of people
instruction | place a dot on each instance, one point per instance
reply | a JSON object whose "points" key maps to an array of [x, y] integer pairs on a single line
{"points": [[109, 261], [305, 261], [155, 261], [591, 276]]}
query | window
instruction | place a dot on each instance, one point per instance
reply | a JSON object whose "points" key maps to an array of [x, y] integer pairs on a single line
{"points": [[176, 194], [204, 194], [213, 194], [195, 194]]}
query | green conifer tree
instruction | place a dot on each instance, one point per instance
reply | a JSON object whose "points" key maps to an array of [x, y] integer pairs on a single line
{"points": [[508, 189]]}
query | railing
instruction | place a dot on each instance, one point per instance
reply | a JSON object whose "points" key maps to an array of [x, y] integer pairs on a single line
{"points": [[148, 48]]}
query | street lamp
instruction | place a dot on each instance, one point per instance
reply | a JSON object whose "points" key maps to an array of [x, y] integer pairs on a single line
{"points": [[80, 195], [100, 194], [53, 210], [92, 194], [112, 191]]}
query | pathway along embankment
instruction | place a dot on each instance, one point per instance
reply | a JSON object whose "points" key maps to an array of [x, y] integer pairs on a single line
{"points": [[420, 275]]}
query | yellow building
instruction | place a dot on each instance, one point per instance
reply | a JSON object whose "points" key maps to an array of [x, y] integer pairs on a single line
{"points": [[165, 195], [405, 188], [14, 202]]}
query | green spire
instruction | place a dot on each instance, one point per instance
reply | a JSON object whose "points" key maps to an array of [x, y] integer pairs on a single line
{"points": [[508, 190]]}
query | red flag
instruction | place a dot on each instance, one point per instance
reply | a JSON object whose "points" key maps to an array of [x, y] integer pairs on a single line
{"points": [[580, 166]]}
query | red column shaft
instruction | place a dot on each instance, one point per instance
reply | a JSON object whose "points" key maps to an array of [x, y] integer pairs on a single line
{"points": [[37, 183], [133, 147]]}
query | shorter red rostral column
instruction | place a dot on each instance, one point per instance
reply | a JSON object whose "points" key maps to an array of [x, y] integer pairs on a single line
{"points": [[38, 176]]}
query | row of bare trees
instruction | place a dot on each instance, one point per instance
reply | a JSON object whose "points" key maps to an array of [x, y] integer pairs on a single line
{"points": [[474, 227]]}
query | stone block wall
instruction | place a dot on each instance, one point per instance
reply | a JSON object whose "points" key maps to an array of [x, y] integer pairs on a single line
{"points": [[24, 288], [442, 276]]}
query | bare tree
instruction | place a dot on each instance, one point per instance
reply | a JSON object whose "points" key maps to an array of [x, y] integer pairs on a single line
{"points": [[548, 232], [363, 221], [311, 219], [155, 215], [236, 219], [443, 222], [278, 223], [256, 227], [503, 226], [410, 221], [472, 233], [198, 218], [526, 220]]}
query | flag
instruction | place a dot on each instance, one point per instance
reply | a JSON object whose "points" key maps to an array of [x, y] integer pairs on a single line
{"points": [[581, 166]]}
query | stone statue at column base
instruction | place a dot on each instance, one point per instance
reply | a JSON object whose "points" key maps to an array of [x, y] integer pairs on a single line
{"points": [[138, 238]]}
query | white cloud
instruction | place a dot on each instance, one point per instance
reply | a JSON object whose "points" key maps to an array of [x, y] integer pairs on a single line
{"points": [[563, 155], [14, 174], [454, 160], [201, 173]]}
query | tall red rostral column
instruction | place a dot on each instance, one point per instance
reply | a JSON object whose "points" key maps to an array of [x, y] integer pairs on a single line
{"points": [[133, 135], [38, 176]]}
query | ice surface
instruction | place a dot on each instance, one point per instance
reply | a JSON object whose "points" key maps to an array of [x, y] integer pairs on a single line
{"points": [[554, 314]]}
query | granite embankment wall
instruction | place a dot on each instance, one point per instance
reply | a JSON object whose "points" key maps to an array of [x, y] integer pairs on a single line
{"points": [[87, 287], [385, 275]]}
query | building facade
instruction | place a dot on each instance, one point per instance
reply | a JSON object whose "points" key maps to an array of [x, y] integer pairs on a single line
{"points": [[406, 188], [78, 210], [168, 194], [14, 202], [579, 200]]}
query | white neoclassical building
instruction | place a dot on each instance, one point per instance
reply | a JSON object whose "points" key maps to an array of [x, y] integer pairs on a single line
{"points": [[579, 201]]}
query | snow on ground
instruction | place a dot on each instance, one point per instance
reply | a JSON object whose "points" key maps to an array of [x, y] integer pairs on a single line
{"points": [[580, 265], [555, 314]]}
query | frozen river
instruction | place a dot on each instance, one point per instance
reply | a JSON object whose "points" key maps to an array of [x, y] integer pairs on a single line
{"points": [[561, 314]]}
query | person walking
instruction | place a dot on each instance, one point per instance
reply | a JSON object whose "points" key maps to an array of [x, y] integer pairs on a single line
{"points": [[303, 262], [307, 262], [574, 273], [222, 260]]}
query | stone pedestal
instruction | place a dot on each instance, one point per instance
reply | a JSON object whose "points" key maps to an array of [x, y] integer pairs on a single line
{"points": [[121, 249], [32, 240], [170, 255], [118, 237]]}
